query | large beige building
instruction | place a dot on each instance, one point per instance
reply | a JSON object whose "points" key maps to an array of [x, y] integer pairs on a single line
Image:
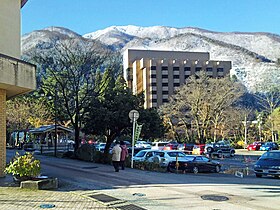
{"points": [[158, 73], [16, 76]]}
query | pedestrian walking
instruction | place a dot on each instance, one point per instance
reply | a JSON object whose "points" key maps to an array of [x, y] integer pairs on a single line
{"points": [[124, 154], [116, 156]]}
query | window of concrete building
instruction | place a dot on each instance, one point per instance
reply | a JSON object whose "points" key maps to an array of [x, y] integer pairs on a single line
{"points": [[165, 100], [154, 92], [154, 84], [197, 69], [165, 92], [165, 76], [154, 100], [176, 68], [187, 69], [209, 69], [220, 69], [153, 76], [153, 68], [187, 76], [164, 84], [164, 68], [176, 76], [176, 84]]}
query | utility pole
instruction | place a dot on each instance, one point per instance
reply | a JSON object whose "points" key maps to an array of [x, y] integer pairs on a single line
{"points": [[55, 121]]}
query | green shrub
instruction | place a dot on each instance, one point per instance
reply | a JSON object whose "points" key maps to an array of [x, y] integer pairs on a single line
{"points": [[85, 152], [24, 166], [149, 166]]}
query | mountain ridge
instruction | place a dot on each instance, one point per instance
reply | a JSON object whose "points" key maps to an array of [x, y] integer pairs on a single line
{"points": [[251, 53]]}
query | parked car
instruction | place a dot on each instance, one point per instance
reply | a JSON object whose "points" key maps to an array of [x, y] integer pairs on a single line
{"points": [[254, 146], [144, 155], [198, 149], [142, 144], [166, 156], [181, 147], [195, 164], [189, 148], [269, 146], [268, 164], [100, 147], [160, 156], [173, 145], [160, 146], [220, 149]]}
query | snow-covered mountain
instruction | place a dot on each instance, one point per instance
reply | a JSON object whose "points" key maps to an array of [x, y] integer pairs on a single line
{"points": [[252, 54]]}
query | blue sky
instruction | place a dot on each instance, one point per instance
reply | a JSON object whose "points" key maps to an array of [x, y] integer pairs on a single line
{"points": [[84, 16]]}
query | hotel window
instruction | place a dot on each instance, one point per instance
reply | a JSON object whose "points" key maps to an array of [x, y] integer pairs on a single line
{"points": [[154, 84], [165, 76], [176, 68], [197, 69], [153, 68], [154, 92], [153, 76], [164, 84], [187, 76], [164, 68], [165, 100], [176, 84], [220, 69], [187, 69], [165, 92], [154, 100], [209, 69], [176, 76]]}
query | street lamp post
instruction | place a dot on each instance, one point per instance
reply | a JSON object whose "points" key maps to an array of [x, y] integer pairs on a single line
{"points": [[246, 123], [133, 115]]}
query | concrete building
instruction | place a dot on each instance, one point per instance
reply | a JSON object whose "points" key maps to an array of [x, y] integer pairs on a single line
{"points": [[16, 76], [158, 73]]}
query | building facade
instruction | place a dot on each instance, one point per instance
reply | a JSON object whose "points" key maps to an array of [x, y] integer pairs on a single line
{"points": [[157, 74], [16, 76]]}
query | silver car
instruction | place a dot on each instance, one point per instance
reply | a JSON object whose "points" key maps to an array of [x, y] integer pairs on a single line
{"points": [[163, 157], [145, 155], [167, 156]]}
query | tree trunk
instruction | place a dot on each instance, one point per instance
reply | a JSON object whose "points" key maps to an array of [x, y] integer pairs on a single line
{"points": [[77, 138]]}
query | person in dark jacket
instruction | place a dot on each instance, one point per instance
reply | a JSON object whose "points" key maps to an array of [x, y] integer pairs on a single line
{"points": [[124, 154]]}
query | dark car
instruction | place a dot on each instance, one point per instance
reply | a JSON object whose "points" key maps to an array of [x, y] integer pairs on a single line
{"points": [[269, 146], [220, 149], [268, 164], [188, 148], [195, 164]]}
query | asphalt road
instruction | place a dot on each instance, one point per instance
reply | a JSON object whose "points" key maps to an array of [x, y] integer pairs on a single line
{"points": [[152, 190]]}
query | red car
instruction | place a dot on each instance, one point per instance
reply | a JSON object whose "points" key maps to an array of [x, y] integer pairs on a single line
{"points": [[198, 149], [254, 146]]}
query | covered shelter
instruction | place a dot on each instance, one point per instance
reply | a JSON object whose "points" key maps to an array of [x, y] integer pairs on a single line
{"points": [[45, 135]]}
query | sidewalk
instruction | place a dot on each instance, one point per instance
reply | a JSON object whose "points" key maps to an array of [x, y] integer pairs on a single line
{"points": [[14, 198]]}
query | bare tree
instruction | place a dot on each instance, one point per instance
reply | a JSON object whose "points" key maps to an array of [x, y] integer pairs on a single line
{"points": [[267, 93], [203, 102]]}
